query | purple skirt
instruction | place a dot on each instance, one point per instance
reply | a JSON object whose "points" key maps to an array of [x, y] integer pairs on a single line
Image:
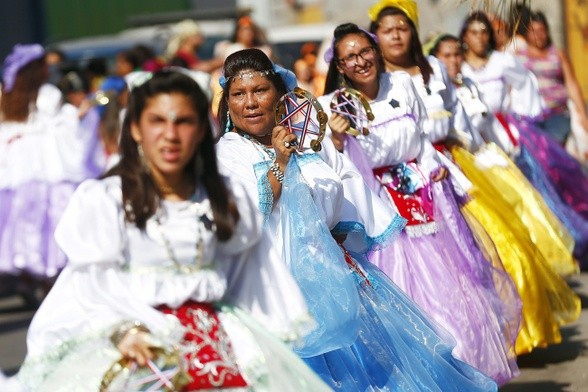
{"points": [[566, 173], [28, 218], [560, 180], [447, 275]]}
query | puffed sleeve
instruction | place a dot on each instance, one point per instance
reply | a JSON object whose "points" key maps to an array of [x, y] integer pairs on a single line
{"points": [[237, 160], [427, 157], [91, 229], [248, 230], [367, 221], [465, 131], [448, 94], [525, 99], [92, 294]]}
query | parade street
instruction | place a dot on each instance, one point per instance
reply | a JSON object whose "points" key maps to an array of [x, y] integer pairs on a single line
{"points": [[559, 368]]}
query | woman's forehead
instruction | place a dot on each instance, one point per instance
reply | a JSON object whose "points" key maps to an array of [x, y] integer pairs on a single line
{"points": [[249, 77]]}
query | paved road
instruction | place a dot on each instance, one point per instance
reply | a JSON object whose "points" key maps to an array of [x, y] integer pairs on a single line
{"points": [[560, 368]]}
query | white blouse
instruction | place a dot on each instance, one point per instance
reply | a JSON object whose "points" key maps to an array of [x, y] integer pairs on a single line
{"points": [[506, 87], [396, 133], [51, 146], [117, 272], [339, 194], [446, 116]]}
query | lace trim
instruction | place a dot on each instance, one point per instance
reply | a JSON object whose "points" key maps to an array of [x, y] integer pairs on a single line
{"points": [[305, 159], [373, 243], [395, 118], [421, 230], [170, 269], [264, 189], [35, 370]]}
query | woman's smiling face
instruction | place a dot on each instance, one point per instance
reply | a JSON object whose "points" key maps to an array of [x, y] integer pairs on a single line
{"points": [[357, 59]]}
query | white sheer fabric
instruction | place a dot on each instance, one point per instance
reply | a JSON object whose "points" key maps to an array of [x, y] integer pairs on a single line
{"points": [[51, 146]]}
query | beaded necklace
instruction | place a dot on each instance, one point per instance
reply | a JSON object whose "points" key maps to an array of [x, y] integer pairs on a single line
{"points": [[270, 153]]}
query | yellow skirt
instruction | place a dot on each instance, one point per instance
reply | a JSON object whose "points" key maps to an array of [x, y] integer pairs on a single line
{"points": [[509, 216]]}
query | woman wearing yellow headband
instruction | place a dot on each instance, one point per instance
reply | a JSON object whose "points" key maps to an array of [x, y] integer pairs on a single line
{"points": [[435, 260]]}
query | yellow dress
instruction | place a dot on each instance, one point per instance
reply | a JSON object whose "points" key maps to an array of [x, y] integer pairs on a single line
{"points": [[531, 243]]}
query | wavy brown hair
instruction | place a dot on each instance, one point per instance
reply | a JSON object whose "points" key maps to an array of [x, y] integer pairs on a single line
{"points": [[141, 196], [16, 104]]}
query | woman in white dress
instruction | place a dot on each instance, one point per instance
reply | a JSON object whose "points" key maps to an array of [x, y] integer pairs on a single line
{"points": [[321, 219], [42, 160], [144, 245]]}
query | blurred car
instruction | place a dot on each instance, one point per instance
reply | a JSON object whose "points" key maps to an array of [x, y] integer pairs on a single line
{"points": [[83, 50]]}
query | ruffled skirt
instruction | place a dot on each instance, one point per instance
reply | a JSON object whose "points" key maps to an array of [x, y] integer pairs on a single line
{"points": [[263, 361], [447, 275], [398, 347], [508, 211], [499, 185], [28, 218], [566, 173], [576, 224]]}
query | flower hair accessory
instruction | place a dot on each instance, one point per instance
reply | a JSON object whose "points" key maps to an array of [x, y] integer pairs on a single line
{"points": [[409, 7], [20, 56], [137, 78], [330, 52], [287, 76]]}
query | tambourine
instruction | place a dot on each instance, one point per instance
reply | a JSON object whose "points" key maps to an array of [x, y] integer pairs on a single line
{"points": [[353, 105], [301, 113], [163, 373]]}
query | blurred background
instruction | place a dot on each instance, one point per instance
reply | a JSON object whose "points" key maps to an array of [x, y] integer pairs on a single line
{"points": [[90, 29]]}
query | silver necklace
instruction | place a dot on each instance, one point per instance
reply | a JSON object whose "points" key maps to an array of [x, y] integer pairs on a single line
{"points": [[196, 264]]}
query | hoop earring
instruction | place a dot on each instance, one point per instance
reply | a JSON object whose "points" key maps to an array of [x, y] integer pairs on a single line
{"points": [[229, 125]]}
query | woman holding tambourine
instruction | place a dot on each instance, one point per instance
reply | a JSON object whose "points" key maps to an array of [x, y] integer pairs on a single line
{"points": [[138, 307], [320, 218], [435, 260]]}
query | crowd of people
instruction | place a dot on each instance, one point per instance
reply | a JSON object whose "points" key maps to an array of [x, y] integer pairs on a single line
{"points": [[173, 234]]}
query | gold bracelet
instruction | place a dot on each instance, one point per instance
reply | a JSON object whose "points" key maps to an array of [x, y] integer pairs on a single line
{"points": [[125, 328]]}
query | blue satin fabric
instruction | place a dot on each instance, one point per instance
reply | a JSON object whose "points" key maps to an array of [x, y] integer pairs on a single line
{"points": [[398, 348], [317, 263]]}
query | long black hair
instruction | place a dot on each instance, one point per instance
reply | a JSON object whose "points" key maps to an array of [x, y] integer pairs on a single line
{"points": [[332, 81], [441, 39], [539, 16], [141, 196], [479, 16], [417, 57]]}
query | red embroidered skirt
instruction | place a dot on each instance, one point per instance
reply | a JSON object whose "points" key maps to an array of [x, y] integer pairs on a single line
{"points": [[411, 194], [206, 347]]}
